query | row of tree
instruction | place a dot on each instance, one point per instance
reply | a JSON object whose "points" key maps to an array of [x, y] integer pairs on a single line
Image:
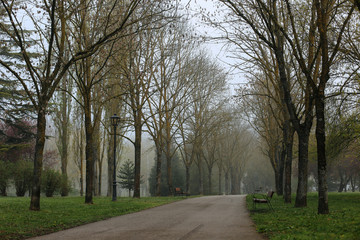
{"points": [[81, 62], [297, 56]]}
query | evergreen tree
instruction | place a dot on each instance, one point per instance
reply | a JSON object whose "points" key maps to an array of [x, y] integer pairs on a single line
{"points": [[127, 176], [14, 104]]}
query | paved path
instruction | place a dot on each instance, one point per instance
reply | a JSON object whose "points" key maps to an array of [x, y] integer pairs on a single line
{"points": [[212, 217]]}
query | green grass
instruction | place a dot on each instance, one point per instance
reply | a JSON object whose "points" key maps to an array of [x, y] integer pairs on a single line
{"points": [[288, 222], [18, 222]]}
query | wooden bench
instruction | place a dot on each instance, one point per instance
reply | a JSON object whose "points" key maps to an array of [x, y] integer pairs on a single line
{"points": [[265, 198], [179, 192]]}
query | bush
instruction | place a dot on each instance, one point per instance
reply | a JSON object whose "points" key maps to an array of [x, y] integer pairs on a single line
{"points": [[65, 185], [5, 173], [22, 176], [178, 175], [50, 182]]}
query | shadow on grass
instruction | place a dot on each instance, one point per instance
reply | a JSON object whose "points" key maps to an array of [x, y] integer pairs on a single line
{"points": [[260, 210]]}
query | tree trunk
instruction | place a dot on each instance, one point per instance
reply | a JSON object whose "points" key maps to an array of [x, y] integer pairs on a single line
{"points": [[201, 182], [99, 177], [137, 145], [110, 168], [158, 172], [323, 205], [352, 183], [89, 153], [81, 163], [187, 172], [279, 170], [277, 185], [235, 181], [64, 131], [168, 148], [220, 182], [38, 159], [227, 183], [95, 160], [301, 193], [288, 161], [209, 179], [169, 168]]}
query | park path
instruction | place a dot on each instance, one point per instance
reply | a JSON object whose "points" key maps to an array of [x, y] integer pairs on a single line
{"points": [[210, 217]]}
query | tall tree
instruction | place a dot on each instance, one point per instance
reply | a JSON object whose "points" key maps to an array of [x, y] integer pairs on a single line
{"points": [[315, 68], [62, 111], [45, 72]]}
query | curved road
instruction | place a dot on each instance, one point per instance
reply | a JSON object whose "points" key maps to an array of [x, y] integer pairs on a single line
{"points": [[212, 217]]}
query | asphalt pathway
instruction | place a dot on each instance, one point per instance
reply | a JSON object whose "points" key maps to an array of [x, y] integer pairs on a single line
{"points": [[211, 217]]}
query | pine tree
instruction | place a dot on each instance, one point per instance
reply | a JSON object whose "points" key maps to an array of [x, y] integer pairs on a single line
{"points": [[127, 176]]}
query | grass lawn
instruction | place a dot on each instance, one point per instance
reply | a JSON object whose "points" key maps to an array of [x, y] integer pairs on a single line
{"points": [[58, 213], [288, 222]]}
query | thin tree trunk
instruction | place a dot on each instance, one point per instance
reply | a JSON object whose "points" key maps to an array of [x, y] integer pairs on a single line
{"points": [[352, 183], [288, 162], [227, 182], [38, 160], [220, 182], [235, 181], [323, 205], [158, 172], [301, 193], [279, 170], [209, 179], [201, 182], [169, 169], [276, 173], [89, 153], [99, 178], [64, 132], [137, 145], [110, 168], [81, 162], [95, 160], [187, 172]]}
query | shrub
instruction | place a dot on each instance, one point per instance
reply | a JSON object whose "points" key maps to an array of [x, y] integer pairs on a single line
{"points": [[50, 182], [22, 176], [5, 173], [65, 185]]}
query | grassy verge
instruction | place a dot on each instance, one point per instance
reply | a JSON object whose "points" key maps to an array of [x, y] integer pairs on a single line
{"points": [[17, 222], [288, 222]]}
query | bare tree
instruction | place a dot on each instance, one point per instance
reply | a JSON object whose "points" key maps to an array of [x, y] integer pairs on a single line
{"points": [[273, 31]]}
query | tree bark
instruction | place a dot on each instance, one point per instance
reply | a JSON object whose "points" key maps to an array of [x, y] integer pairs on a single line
{"points": [[301, 193], [201, 182], [323, 205], [288, 162], [38, 161], [209, 179], [235, 181], [220, 182], [110, 168], [64, 134], [137, 145], [158, 172], [89, 153], [227, 183], [280, 171], [81, 162], [168, 167], [187, 184]]}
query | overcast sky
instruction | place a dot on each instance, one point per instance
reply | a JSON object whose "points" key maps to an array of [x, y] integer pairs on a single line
{"points": [[217, 50]]}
